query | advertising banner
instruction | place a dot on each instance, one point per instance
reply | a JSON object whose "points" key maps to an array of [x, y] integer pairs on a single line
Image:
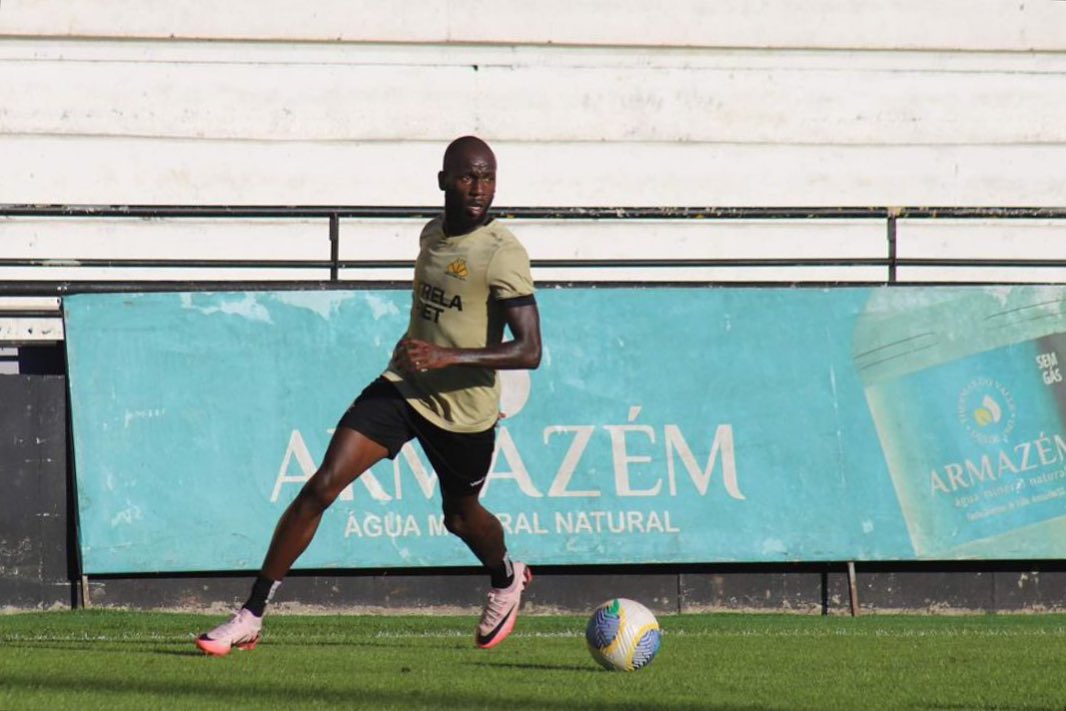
{"points": [[665, 425]]}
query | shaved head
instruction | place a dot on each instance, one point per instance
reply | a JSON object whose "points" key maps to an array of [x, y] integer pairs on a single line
{"points": [[462, 150]]}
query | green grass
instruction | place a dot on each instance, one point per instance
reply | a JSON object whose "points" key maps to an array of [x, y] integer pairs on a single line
{"points": [[132, 660]]}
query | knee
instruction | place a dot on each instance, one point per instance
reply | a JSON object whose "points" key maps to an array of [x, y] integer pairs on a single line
{"points": [[455, 523], [318, 493], [465, 516]]}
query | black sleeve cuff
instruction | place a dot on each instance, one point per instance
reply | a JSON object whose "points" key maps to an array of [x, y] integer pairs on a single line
{"points": [[527, 300]]}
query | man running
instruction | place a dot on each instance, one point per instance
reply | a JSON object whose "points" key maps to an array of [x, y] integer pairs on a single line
{"points": [[472, 278]]}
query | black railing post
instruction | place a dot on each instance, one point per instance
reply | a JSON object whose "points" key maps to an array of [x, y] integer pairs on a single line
{"points": [[334, 245], [893, 257]]}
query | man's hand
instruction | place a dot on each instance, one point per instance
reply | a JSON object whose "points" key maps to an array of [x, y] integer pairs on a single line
{"points": [[416, 356]]}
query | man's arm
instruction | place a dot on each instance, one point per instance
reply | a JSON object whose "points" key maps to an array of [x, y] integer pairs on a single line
{"points": [[520, 353]]}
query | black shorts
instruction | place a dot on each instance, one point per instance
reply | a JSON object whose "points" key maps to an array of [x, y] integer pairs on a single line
{"points": [[460, 459]]}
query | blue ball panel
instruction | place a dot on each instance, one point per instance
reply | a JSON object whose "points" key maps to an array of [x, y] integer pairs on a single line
{"points": [[647, 648], [602, 628]]}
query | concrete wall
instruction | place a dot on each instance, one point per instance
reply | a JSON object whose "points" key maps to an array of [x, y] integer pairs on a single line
{"points": [[776, 103], [803, 589], [818, 102], [36, 567]]}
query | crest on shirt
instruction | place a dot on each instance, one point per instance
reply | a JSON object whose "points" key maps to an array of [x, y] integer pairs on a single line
{"points": [[458, 269]]}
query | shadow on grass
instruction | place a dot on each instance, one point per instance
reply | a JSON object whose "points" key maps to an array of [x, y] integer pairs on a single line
{"points": [[170, 651], [94, 646], [187, 648], [384, 643], [536, 666], [134, 646], [999, 707], [167, 652], [280, 695]]}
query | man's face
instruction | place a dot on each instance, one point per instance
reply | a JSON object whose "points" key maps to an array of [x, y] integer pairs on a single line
{"points": [[469, 184]]}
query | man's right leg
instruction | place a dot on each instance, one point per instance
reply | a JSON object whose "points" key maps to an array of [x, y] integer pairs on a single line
{"points": [[350, 454]]}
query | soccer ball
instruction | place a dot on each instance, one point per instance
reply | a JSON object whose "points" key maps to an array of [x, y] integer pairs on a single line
{"points": [[623, 635]]}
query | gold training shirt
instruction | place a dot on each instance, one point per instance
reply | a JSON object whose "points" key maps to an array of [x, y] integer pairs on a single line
{"points": [[458, 286]]}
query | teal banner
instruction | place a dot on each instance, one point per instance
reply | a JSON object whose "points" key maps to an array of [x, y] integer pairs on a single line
{"points": [[665, 425]]}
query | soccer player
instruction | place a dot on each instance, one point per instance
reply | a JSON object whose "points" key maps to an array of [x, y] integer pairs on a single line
{"points": [[471, 279]]}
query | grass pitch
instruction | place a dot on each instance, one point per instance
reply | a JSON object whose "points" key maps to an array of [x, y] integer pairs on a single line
{"points": [[114, 660]]}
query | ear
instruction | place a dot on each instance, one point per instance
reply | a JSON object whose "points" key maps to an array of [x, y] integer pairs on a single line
{"points": [[441, 180]]}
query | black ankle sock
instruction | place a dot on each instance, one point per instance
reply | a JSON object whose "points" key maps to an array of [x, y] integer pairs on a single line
{"points": [[502, 575], [262, 590]]}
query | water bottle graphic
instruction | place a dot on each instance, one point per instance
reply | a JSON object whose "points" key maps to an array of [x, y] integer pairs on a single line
{"points": [[965, 388]]}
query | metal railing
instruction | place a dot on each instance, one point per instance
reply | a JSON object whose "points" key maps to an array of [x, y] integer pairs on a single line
{"points": [[891, 260]]}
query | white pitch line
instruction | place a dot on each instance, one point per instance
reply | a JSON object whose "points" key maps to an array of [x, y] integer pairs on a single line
{"points": [[968, 633]]}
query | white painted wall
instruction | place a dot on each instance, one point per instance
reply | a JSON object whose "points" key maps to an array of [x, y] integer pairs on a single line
{"points": [[698, 103], [778, 102], [886, 24]]}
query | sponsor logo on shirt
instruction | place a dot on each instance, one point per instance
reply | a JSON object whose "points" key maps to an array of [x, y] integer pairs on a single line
{"points": [[458, 269]]}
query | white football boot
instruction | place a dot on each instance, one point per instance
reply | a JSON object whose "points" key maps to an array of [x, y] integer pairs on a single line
{"points": [[242, 632], [501, 609]]}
